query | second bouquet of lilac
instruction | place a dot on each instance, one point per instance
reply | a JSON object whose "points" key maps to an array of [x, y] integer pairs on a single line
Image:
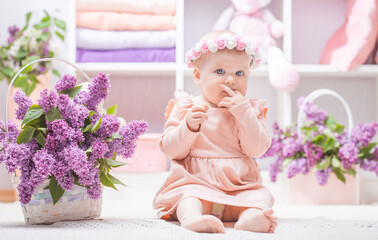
{"points": [[323, 146], [65, 139]]}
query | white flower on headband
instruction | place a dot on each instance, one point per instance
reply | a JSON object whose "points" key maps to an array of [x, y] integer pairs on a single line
{"points": [[226, 40]]}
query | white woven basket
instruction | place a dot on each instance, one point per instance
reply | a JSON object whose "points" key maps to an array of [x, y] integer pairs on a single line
{"points": [[73, 205]]}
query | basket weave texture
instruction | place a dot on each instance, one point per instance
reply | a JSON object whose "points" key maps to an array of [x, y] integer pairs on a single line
{"points": [[73, 205]]}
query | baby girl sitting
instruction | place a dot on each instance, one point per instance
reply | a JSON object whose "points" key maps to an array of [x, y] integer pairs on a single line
{"points": [[212, 140]]}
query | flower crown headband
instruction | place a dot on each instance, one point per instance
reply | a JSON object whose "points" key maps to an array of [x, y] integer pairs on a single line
{"points": [[226, 40]]}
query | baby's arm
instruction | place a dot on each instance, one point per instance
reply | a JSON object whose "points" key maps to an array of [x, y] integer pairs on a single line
{"points": [[253, 136], [177, 139]]}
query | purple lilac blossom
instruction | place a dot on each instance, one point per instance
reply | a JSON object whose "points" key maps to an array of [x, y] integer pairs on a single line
{"points": [[291, 146], [98, 90], [274, 149], [43, 162], [59, 135], [313, 153], [362, 134], [94, 190], [66, 181], [47, 100], [297, 166], [275, 168], [12, 134], [67, 82], [13, 30], [129, 133], [348, 154], [312, 111], [81, 97], [322, 176], [73, 113], [109, 125], [99, 148], [23, 103]]}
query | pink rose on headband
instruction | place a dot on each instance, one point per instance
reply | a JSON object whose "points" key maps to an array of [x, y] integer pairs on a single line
{"points": [[188, 58], [195, 54], [204, 47], [220, 43], [240, 46]]}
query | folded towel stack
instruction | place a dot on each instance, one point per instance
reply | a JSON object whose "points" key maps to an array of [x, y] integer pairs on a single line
{"points": [[125, 30]]}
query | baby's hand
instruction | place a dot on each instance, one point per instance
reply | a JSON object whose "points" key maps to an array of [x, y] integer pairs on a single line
{"points": [[195, 117], [235, 97]]}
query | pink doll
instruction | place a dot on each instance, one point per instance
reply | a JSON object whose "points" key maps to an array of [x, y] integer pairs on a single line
{"points": [[212, 140], [253, 20]]}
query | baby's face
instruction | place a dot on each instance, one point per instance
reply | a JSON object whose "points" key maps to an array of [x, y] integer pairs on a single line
{"points": [[228, 67]]}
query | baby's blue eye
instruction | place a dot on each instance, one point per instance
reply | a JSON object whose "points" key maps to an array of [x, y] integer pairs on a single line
{"points": [[240, 73], [219, 71]]}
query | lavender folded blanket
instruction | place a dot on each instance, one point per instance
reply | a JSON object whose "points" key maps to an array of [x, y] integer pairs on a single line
{"points": [[127, 55]]}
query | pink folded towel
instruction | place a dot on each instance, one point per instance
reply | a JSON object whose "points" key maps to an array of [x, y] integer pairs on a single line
{"points": [[130, 6], [124, 21]]}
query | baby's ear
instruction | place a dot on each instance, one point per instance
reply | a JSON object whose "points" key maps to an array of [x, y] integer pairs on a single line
{"points": [[196, 75]]}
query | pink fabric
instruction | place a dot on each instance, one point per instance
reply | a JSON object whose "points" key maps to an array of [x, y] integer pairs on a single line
{"points": [[215, 164], [130, 6], [352, 44], [113, 21]]}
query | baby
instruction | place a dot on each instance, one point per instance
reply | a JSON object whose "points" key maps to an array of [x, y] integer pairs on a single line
{"points": [[212, 140]]}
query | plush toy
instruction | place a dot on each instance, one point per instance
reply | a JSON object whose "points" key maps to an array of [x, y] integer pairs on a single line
{"points": [[351, 45], [253, 20]]}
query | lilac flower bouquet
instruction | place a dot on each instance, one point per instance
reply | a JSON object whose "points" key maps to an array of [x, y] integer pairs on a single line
{"points": [[65, 139], [28, 44], [323, 145]]}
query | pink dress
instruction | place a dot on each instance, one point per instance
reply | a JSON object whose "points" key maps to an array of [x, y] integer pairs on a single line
{"points": [[215, 164]]}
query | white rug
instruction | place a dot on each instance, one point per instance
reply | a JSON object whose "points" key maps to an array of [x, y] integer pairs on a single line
{"points": [[128, 215]]}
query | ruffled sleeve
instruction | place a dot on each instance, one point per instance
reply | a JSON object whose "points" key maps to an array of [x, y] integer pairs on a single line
{"points": [[177, 139]]}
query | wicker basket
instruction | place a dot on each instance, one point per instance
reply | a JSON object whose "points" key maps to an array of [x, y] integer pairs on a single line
{"points": [[303, 189], [73, 205]]}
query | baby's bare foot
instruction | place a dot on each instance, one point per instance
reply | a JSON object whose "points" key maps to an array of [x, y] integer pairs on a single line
{"points": [[257, 221], [204, 223]]}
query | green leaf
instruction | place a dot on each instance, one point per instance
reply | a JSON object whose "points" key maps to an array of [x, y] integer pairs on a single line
{"points": [[106, 181], [30, 88], [26, 135], [91, 113], [8, 72], [53, 114], [61, 36], [350, 171], [38, 123], [115, 180], [114, 163], [42, 25], [47, 18], [33, 78], [56, 190], [114, 136], [87, 128], [60, 24], [318, 139], [97, 125], [45, 36], [336, 162], [286, 162], [330, 121], [41, 139], [28, 16], [56, 73], [21, 54], [2, 76], [72, 92], [112, 110], [20, 81], [34, 112], [31, 59], [339, 174], [324, 164], [339, 128]]}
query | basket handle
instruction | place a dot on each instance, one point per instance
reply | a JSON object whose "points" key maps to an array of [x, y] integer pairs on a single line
{"points": [[317, 93], [32, 62]]}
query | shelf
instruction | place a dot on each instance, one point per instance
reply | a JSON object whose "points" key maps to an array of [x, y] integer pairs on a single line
{"points": [[317, 70], [129, 68], [323, 70]]}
